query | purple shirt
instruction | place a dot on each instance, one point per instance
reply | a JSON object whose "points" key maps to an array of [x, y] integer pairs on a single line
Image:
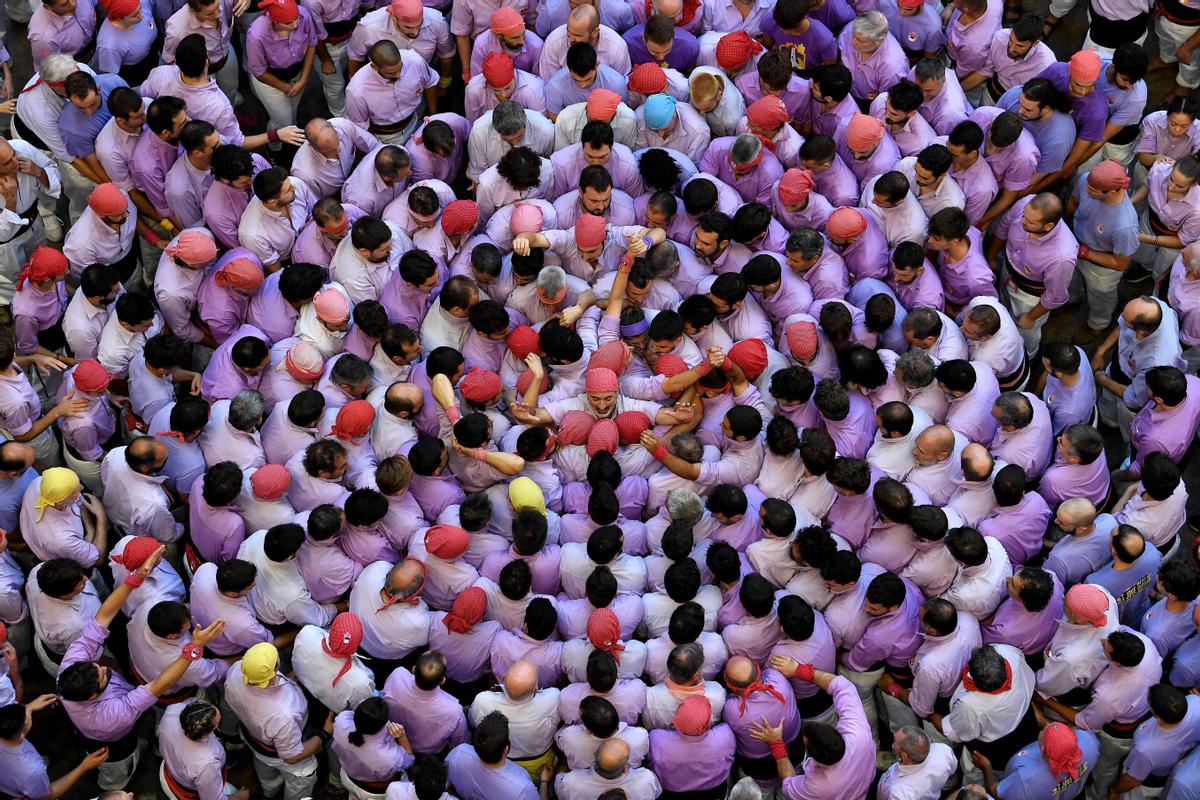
{"points": [[1090, 112], [434, 720], [691, 763], [379, 758], [755, 186], [52, 33], [683, 51], [113, 715], [35, 311], [852, 776], [877, 72], [867, 255], [808, 50], [1019, 528], [1014, 165], [1028, 631], [741, 714], [882, 159], [217, 533], [1166, 430], [967, 42], [223, 379], [206, 102], [1062, 481], [891, 638]]}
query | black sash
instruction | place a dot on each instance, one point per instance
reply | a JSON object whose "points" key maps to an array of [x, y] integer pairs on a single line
{"points": [[30, 215], [27, 133], [1012, 381], [1027, 285], [1112, 32], [1179, 13], [340, 31], [135, 74], [287, 73], [1157, 225]]}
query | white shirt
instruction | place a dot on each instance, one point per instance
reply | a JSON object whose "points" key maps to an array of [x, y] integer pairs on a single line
{"points": [[363, 279], [28, 188], [988, 717], [316, 670], [661, 705], [575, 567], [532, 722], [59, 622], [485, 147], [579, 745], [980, 590], [220, 441], [279, 593], [575, 655], [136, 502], [163, 583], [659, 607], [1075, 656], [82, 325], [922, 781], [396, 632], [583, 784], [119, 345], [895, 456]]}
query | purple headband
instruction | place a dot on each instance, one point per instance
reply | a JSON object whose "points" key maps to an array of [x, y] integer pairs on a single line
{"points": [[636, 328]]}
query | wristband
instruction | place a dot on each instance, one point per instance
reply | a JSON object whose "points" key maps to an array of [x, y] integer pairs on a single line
{"points": [[192, 651], [444, 82], [626, 263], [649, 240], [660, 452], [133, 580], [166, 225], [702, 369], [894, 690], [453, 414], [273, 137], [804, 672], [152, 237], [480, 454], [1084, 251], [778, 750]]}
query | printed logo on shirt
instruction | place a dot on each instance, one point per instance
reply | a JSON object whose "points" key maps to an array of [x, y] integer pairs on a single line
{"points": [[799, 53], [1128, 594], [912, 36], [1100, 228], [1065, 782]]}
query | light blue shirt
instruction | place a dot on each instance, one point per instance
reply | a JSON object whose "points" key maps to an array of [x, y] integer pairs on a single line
{"points": [[1103, 227], [1028, 776], [1055, 135]]}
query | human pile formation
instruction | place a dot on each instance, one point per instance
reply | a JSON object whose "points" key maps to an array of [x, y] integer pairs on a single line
{"points": [[738, 398]]}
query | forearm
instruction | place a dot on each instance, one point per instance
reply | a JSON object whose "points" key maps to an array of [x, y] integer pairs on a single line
{"points": [[431, 100], [973, 80], [311, 746], [353, 66], [143, 204], [39, 425], [168, 677], [1109, 261], [86, 170], [96, 167], [464, 54], [678, 466], [1124, 784], [508, 463], [1157, 240], [64, 784], [989, 780], [323, 53], [1081, 151], [1147, 159], [1002, 203]]}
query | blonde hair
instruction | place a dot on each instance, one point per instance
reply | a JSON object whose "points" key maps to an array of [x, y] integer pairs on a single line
{"points": [[704, 86]]}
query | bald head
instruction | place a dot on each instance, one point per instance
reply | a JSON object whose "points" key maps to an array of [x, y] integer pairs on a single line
{"points": [[16, 457], [146, 455], [403, 399], [405, 579], [384, 53], [669, 8], [1048, 207], [977, 462], [1143, 315], [740, 672], [322, 137], [8, 158], [521, 680], [934, 445], [1076, 513], [1191, 256], [582, 24], [612, 757]]}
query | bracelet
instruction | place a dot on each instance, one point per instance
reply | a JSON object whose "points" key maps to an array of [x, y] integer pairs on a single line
{"points": [[804, 672], [480, 454], [273, 137], [444, 82], [133, 580], [660, 452], [894, 690], [778, 750], [702, 369], [152, 237]]}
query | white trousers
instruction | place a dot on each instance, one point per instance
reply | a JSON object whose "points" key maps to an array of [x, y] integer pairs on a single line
{"points": [[1108, 765], [867, 684], [227, 76], [297, 780], [88, 472], [334, 84], [280, 108], [1170, 37], [1020, 302], [1101, 286]]}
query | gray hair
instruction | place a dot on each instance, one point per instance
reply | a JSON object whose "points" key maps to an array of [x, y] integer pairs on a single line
{"points": [[508, 118], [916, 369], [684, 505], [745, 149], [872, 25], [746, 789], [930, 69], [662, 258], [246, 410], [552, 280], [686, 446], [808, 241], [914, 743], [56, 67]]}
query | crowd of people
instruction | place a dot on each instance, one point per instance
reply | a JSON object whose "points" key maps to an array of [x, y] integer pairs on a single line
{"points": [[693, 399]]}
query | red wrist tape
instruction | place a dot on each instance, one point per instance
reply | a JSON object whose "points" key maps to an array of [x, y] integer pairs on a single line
{"points": [[779, 750], [804, 672], [660, 452]]}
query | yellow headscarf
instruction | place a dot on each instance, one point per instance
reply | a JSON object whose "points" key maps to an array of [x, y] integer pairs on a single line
{"points": [[259, 664], [58, 483], [524, 493]]}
